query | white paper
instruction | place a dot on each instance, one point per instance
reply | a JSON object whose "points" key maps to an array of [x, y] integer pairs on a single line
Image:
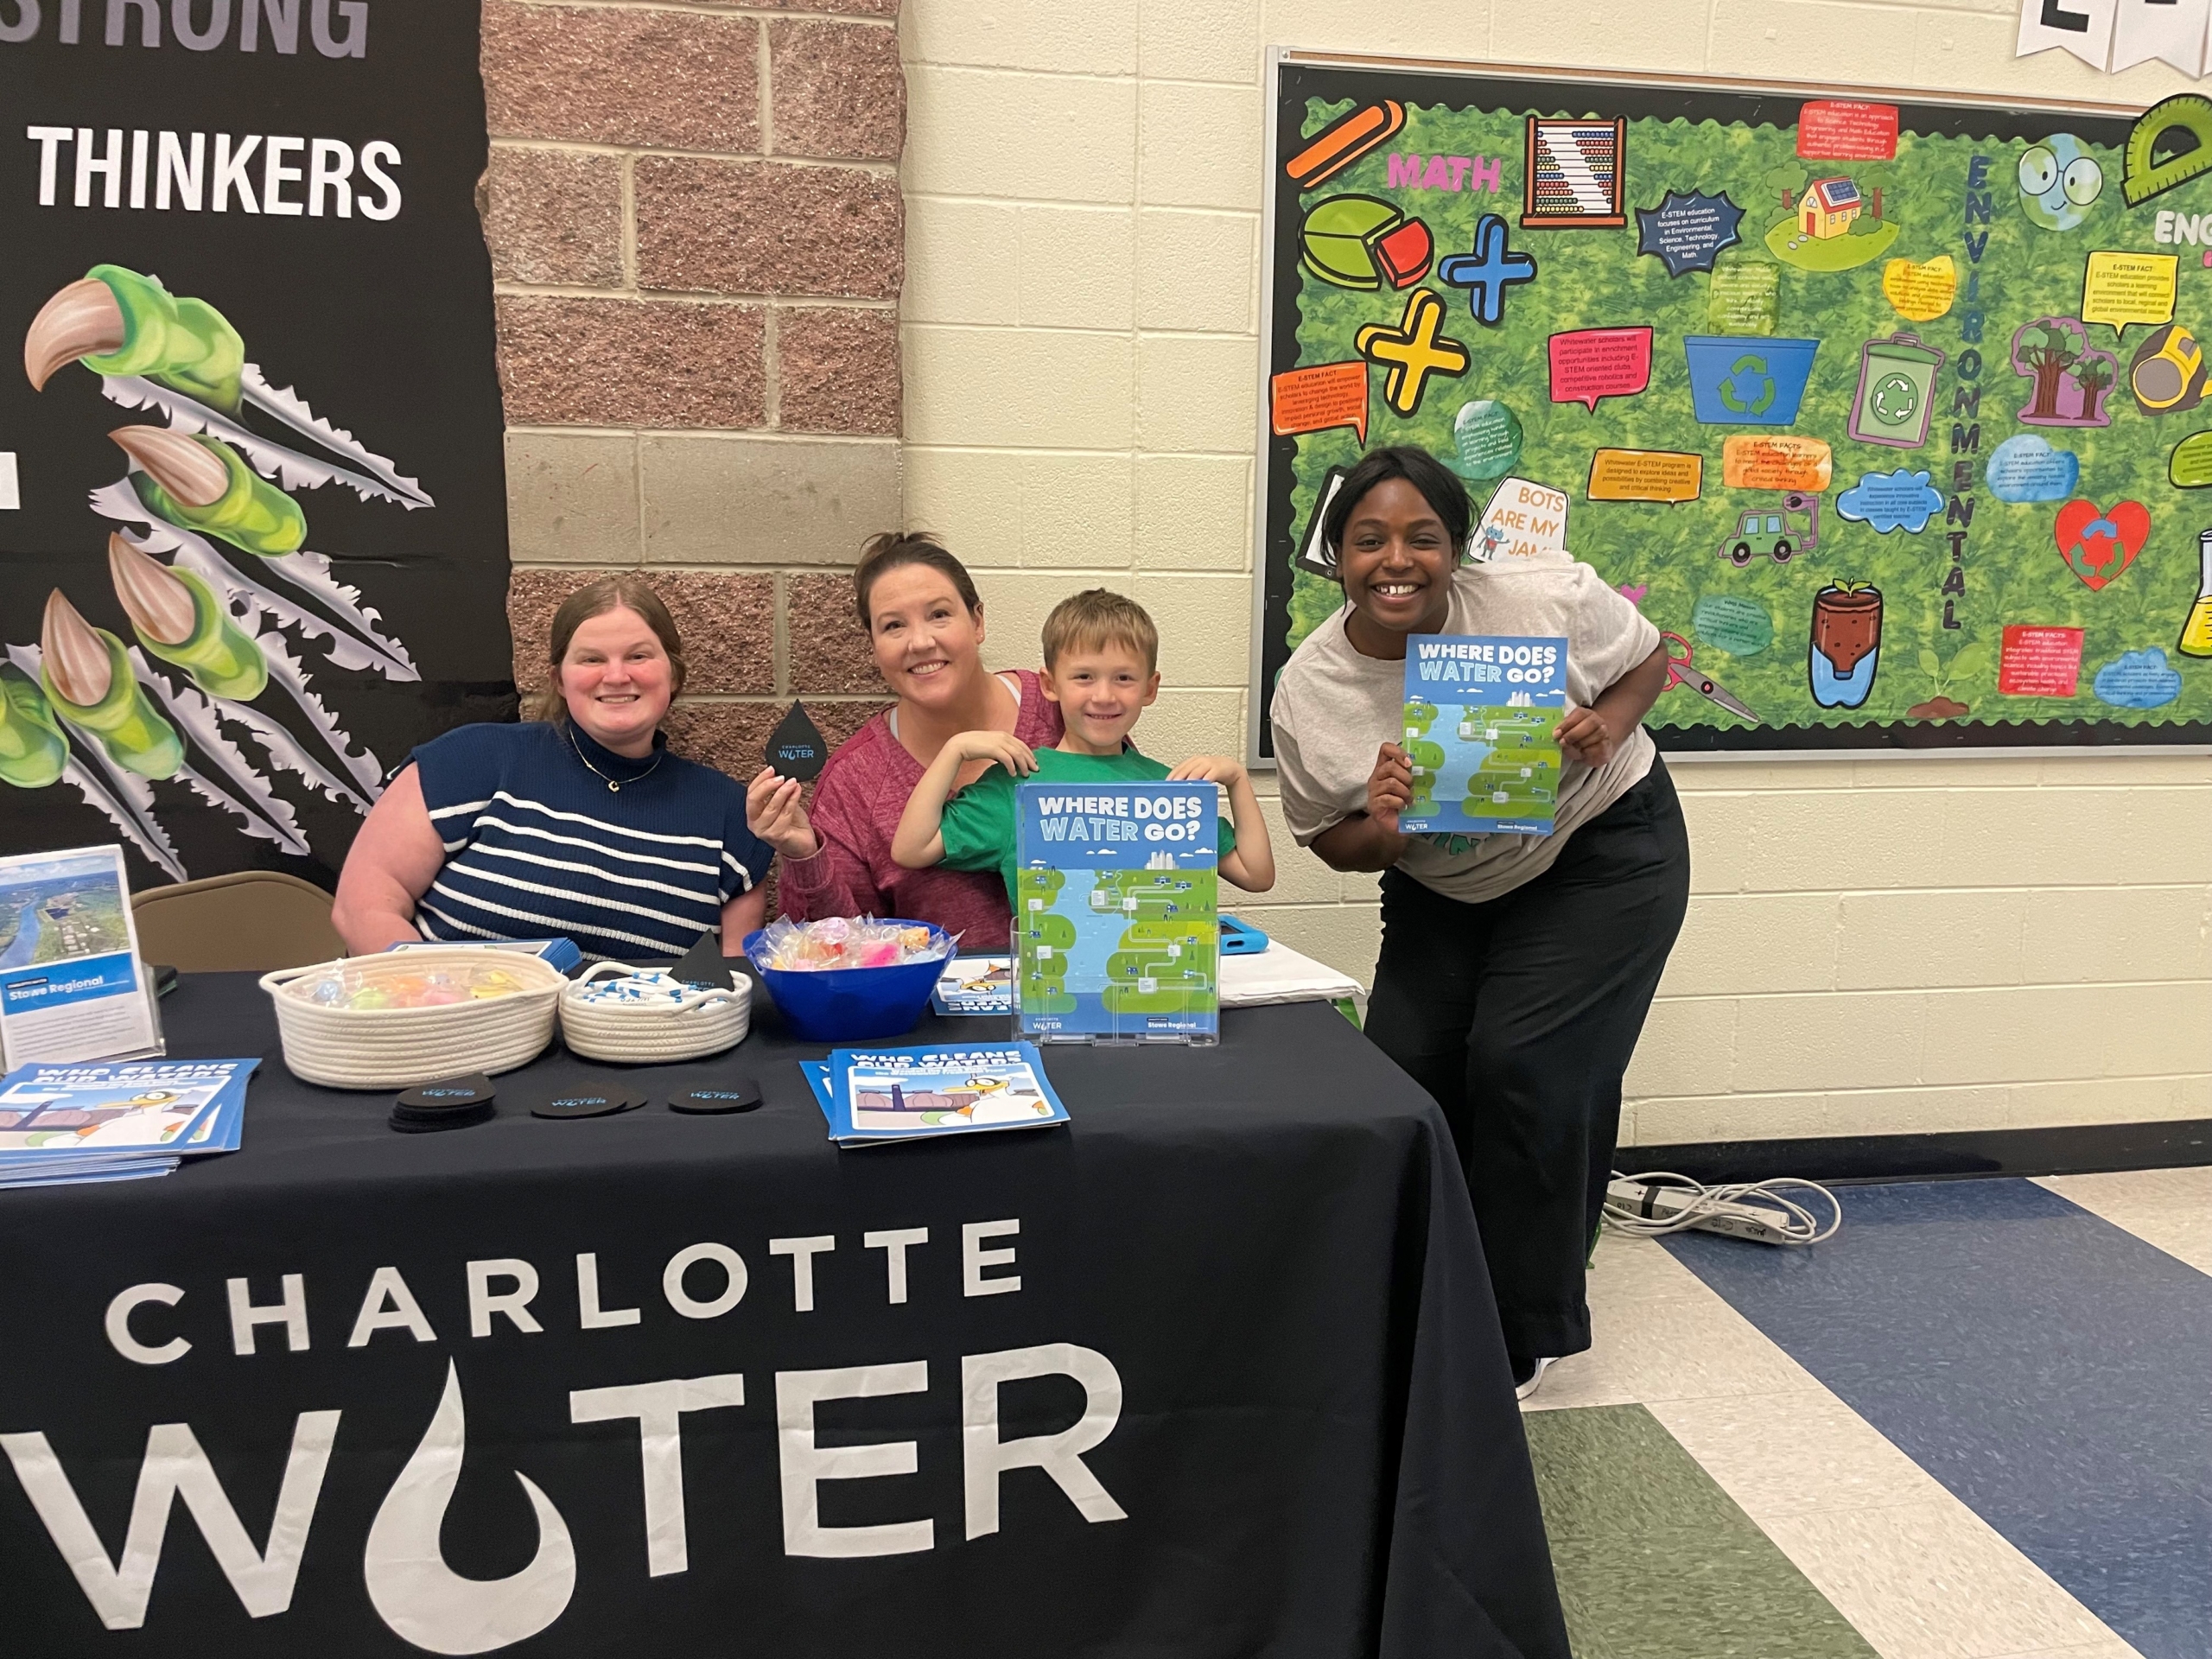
{"points": [[2081, 27], [1524, 520], [1280, 974], [2169, 29]]}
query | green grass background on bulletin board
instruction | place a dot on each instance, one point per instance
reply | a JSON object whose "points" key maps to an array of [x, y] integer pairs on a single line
{"points": [[1595, 278]]}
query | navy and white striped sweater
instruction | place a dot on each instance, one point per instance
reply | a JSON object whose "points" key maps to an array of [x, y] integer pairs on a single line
{"points": [[537, 846]]}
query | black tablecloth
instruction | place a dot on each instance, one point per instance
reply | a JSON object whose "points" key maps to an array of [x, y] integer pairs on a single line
{"points": [[1265, 1246]]}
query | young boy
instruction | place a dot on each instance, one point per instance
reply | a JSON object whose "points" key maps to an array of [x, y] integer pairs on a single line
{"points": [[1100, 653]]}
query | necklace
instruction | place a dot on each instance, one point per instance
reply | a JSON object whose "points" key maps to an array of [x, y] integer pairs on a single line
{"points": [[613, 786]]}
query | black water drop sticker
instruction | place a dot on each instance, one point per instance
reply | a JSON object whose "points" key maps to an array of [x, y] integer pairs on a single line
{"points": [[702, 964], [796, 749]]}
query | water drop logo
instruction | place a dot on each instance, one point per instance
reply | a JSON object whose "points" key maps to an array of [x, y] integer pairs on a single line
{"points": [[426, 1602]]}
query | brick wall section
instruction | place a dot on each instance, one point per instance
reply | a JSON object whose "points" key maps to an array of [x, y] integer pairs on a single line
{"points": [[698, 240]]}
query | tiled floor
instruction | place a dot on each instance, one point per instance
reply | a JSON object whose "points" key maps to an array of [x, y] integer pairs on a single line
{"points": [[1976, 1424]]}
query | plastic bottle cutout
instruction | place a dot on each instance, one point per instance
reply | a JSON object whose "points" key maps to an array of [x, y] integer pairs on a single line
{"points": [[2196, 630], [1846, 643], [425, 1601], [796, 749]]}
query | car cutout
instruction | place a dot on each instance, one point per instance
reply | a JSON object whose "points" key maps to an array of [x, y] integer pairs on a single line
{"points": [[1781, 536]]}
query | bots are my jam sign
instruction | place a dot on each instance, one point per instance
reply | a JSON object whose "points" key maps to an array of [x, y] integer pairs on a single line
{"points": [[252, 518]]}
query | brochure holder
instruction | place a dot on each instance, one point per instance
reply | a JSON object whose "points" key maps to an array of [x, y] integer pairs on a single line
{"points": [[73, 987]]}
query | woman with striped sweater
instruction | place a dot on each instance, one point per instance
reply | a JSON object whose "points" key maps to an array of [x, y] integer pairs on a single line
{"points": [[578, 824]]}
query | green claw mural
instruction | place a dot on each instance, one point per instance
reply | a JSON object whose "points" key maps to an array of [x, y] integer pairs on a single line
{"points": [[32, 750], [178, 619], [109, 703], [199, 483], [213, 467], [118, 322]]}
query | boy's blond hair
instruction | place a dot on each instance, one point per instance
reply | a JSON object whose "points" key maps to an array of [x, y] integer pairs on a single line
{"points": [[1095, 618]]}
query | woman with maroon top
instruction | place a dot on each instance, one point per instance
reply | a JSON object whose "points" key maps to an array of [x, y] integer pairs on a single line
{"points": [[925, 622]]}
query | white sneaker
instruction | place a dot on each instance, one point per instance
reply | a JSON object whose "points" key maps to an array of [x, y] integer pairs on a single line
{"points": [[1522, 1390]]}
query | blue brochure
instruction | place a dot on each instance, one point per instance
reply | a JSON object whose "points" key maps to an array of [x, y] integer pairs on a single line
{"points": [[1116, 926], [118, 1119], [975, 985], [1480, 711], [911, 1093], [816, 1073]]}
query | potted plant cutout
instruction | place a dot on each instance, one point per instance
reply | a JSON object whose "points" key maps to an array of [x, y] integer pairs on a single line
{"points": [[1969, 662]]}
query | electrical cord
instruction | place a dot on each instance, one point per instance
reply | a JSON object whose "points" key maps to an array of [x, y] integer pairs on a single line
{"points": [[1691, 1203]]}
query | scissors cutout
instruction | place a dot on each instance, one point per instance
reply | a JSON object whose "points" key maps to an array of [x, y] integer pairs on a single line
{"points": [[1679, 672]]}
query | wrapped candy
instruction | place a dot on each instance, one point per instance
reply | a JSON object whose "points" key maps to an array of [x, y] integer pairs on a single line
{"points": [[848, 941], [396, 986], [642, 988]]}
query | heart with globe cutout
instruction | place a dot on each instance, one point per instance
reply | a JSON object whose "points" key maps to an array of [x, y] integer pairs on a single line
{"points": [[2098, 543]]}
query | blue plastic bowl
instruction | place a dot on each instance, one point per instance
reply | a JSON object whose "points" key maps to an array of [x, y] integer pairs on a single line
{"points": [[845, 1005]]}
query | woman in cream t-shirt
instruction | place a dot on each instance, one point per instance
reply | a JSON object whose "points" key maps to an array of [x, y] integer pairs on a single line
{"points": [[1515, 970]]}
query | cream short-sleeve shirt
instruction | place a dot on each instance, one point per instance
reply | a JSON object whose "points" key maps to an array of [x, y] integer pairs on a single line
{"points": [[1334, 707]]}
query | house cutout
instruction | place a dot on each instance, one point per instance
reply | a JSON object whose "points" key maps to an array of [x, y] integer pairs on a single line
{"points": [[1828, 207]]}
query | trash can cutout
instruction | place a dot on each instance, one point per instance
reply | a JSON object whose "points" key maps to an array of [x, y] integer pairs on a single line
{"points": [[1896, 391], [1747, 379]]}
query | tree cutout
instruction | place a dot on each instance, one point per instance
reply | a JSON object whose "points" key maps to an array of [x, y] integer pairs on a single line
{"points": [[2095, 380], [1874, 184], [2053, 352], [1788, 181], [2046, 354]]}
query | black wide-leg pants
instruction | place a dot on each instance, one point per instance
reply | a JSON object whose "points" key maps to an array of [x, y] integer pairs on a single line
{"points": [[1519, 1016]]}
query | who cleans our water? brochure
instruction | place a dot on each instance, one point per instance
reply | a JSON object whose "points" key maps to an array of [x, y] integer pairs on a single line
{"points": [[871, 1095], [61, 1123], [975, 985], [1480, 712]]}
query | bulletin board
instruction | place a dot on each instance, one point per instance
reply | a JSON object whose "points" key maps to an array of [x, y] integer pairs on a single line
{"points": [[1890, 413]]}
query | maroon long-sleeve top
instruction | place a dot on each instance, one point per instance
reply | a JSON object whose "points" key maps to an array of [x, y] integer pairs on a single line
{"points": [[858, 799]]}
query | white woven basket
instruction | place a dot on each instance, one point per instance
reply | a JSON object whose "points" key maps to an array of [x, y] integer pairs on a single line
{"points": [[390, 1048], [639, 1033]]}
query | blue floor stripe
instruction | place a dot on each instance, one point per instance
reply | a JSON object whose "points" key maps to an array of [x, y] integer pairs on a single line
{"points": [[2051, 1370]]}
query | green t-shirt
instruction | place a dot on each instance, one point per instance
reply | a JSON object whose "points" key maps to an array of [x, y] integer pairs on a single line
{"points": [[980, 823]]}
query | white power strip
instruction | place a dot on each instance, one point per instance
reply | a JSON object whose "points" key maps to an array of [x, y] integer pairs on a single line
{"points": [[1651, 1205]]}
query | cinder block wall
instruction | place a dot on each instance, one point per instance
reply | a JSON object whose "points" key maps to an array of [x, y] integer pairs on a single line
{"points": [[1873, 947], [698, 240]]}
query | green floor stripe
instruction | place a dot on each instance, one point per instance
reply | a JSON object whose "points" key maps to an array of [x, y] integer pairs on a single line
{"points": [[1655, 1561]]}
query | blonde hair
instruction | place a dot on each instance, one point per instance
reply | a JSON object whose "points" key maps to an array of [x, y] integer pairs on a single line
{"points": [[622, 591], [1097, 617]]}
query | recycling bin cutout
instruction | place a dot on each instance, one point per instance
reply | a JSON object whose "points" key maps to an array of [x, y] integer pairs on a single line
{"points": [[1745, 380]]}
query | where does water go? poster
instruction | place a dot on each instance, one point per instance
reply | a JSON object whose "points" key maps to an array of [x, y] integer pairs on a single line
{"points": [[1890, 415]]}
